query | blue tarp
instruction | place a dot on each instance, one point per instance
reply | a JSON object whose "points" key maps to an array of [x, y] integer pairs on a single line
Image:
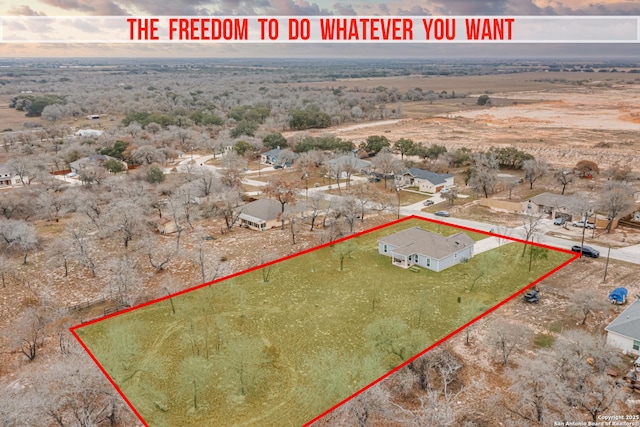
{"points": [[618, 295]]}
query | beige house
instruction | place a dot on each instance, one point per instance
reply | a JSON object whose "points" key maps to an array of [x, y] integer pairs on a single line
{"points": [[264, 214], [549, 204]]}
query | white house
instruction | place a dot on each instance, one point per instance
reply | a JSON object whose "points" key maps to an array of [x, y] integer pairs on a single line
{"points": [[10, 179], [93, 133], [426, 181], [415, 246], [624, 332]]}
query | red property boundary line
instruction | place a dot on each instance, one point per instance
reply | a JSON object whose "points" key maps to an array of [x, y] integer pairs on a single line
{"points": [[73, 329]]}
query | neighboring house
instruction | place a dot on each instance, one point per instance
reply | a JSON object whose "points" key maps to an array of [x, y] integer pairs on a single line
{"points": [[348, 161], [278, 157], [8, 178], [624, 332], [550, 204], [426, 181], [415, 246], [91, 162], [264, 214], [89, 132]]}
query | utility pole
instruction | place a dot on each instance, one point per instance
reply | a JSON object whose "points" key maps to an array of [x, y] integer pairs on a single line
{"points": [[398, 193], [584, 228], [606, 266]]}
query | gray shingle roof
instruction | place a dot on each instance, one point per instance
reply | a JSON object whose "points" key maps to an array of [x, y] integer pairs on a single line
{"points": [[415, 240], [267, 210], [261, 210], [550, 199], [92, 160], [628, 322], [434, 178]]}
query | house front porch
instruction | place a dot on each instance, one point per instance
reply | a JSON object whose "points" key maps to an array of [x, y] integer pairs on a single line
{"points": [[403, 261]]}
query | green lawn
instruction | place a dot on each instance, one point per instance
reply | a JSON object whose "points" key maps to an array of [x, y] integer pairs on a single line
{"points": [[279, 345]]}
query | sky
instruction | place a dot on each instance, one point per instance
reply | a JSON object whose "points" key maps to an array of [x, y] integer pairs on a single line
{"points": [[320, 7]]}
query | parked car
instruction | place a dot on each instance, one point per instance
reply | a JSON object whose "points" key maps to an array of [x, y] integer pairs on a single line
{"points": [[583, 224], [374, 179], [442, 213], [559, 221], [586, 251], [428, 202], [445, 190], [532, 296]]}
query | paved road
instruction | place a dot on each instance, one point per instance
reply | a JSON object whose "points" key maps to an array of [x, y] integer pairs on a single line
{"points": [[629, 254]]}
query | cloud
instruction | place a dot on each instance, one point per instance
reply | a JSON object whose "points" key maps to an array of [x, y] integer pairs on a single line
{"points": [[413, 11], [297, 7], [89, 7], [344, 9], [24, 11]]}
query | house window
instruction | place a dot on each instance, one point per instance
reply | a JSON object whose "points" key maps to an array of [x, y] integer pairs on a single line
{"points": [[384, 248], [636, 345], [428, 262], [455, 256]]}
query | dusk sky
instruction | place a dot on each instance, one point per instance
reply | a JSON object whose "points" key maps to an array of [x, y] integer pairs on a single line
{"points": [[320, 7]]}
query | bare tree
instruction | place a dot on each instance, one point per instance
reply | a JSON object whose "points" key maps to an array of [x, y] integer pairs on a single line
{"points": [[284, 191], [531, 225], [125, 278], [232, 172], [585, 303], [227, 205], [29, 331], [450, 195], [158, 255], [484, 176], [564, 178], [349, 209], [83, 247], [615, 199], [242, 362], [344, 250], [505, 337], [206, 261], [534, 391], [386, 164], [125, 220], [205, 180], [315, 203], [534, 169], [581, 363], [93, 205], [147, 154], [19, 235], [58, 252], [364, 197]]}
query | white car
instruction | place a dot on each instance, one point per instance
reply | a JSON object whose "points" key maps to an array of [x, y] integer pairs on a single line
{"points": [[583, 224]]}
